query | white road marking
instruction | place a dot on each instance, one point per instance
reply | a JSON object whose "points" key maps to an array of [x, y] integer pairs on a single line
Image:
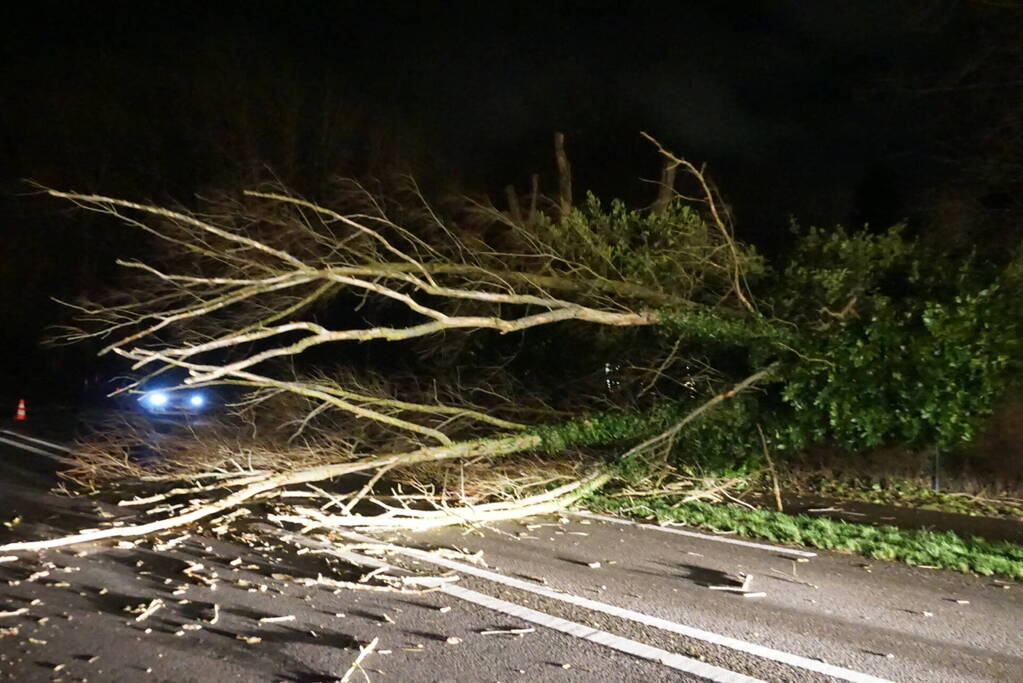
{"points": [[638, 617], [41, 442], [635, 648], [694, 534], [627, 645], [37, 451]]}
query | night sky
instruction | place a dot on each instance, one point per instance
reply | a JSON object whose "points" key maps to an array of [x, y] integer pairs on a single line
{"points": [[833, 112]]}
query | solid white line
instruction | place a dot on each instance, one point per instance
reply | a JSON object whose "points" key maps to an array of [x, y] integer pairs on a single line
{"points": [[41, 442], [38, 451], [635, 648], [656, 622], [693, 534]]}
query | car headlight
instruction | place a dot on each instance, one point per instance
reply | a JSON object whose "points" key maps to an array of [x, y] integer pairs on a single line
{"points": [[157, 399], [196, 400]]}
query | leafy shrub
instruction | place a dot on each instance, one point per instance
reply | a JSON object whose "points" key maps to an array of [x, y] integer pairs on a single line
{"points": [[887, 343], [918, 359]]}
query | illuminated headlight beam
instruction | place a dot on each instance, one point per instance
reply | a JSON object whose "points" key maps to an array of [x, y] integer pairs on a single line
{"points": [[157, 399]]}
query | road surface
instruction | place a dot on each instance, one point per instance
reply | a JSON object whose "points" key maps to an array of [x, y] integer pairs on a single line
{"points": [[559, 599]]}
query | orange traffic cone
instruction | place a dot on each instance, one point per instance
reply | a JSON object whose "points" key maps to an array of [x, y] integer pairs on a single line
{"points": [[21, 414]]}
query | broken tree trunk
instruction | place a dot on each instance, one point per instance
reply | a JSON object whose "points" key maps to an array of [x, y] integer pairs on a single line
{"points": [[666, 188], [514, 209], [534, 196], [564, 175]]}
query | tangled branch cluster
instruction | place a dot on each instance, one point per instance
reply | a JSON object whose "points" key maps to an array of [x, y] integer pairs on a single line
{"points": [[256, 283]]}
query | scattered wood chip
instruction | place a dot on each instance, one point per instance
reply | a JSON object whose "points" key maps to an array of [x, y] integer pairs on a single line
{"points": [[357, 664], [444, 610], [167, 545], [538, 579], [759, 594], [251, 640], [453, 640], [14, 613], [593, 565], [508, 631], [427, 581], [154, 605], [366, 577], [8, 558], [782, 576], [277, 620]]}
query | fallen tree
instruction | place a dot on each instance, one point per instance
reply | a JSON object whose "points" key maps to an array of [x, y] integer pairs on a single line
{"points": [[654, 306], [237, 300]]}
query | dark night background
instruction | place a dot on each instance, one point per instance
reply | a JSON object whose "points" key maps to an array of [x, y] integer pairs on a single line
{"points": [[832, 112]]}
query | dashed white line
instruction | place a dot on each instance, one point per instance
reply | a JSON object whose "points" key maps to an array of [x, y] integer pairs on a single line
{"points": [[693, 534], [41, 442], [37, 451]]}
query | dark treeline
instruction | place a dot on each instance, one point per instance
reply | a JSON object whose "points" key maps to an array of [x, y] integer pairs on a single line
{"points": [[834, 116]]}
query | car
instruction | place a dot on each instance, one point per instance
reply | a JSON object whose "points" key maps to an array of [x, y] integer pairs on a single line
{"points": [[175, 402]]}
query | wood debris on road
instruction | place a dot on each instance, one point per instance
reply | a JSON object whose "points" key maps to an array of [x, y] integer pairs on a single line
{"points": [[357, 664], [508, 631], [151, 609], [743, 588]]}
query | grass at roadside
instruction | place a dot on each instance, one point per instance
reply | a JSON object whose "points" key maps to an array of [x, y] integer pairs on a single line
{"points": [[927, 548]]}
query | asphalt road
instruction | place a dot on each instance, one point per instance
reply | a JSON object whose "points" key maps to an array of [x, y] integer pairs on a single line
{"points": [[889, 620], [651, 589]]}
